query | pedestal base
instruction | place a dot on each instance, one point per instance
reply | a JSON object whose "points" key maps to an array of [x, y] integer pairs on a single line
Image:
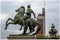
{"points": [[22, 37], [28, 37]]}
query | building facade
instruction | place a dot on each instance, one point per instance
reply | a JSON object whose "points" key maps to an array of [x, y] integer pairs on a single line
{"points": [[41, 19]]}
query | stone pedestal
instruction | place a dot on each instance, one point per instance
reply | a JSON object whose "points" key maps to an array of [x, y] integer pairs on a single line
{"points": [[22, 37], [27, 37]]}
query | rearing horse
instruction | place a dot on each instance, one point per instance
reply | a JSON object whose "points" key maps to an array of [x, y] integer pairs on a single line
{"points": [[18, 18], [32, 23]]}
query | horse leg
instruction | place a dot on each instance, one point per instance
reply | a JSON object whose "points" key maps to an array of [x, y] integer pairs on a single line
{"points": [[11, 19], [21, 27], [31, 29], [7, 22], [23, 22], [25, 29], [38, 29]]}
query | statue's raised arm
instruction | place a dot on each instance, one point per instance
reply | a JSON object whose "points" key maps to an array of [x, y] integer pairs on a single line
{"points": [[34, 14]]}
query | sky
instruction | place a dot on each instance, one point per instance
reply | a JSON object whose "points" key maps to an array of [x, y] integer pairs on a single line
{"points": [[8, 11]]}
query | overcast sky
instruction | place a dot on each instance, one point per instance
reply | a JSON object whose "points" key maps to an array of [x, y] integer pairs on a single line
{"points": [[8, 11]]}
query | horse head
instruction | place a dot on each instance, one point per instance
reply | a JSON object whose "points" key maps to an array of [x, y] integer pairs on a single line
{"points": [[21, 10]]}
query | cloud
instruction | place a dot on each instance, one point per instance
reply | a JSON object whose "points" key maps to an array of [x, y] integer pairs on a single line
{"points": [[7, 6], [52, 15], [3, 16]]}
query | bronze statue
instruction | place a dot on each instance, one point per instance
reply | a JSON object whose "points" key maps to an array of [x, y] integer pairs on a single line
{"points": [[17, 19], [53, 31], [30, 22], [28, 14], [24, 20]]}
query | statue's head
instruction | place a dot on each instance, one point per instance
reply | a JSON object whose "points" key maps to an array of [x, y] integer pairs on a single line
{"points": [[22, 7], [17, 10], [28, 6]]}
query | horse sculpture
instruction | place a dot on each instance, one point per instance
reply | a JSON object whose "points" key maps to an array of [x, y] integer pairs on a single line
{"points": [[31, 23], [17, 19]]}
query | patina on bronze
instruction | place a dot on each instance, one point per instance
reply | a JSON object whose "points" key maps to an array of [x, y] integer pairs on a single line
{"points": [[25, 20]]}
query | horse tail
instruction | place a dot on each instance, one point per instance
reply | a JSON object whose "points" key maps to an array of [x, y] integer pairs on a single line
{"points": [[39, 27]]}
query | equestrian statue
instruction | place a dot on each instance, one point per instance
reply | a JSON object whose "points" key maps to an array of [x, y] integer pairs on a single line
{"points": [[25, 20]]}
